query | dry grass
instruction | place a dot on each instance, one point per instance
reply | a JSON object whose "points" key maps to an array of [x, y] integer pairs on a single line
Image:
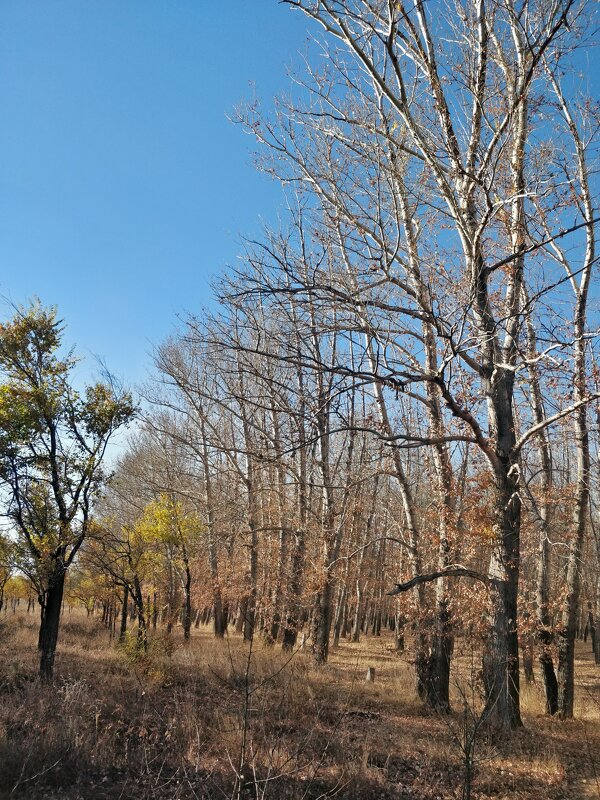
{"points": [[172, 725]]}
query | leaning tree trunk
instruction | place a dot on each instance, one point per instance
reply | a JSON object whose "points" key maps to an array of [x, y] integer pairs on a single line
{"points": [[50, 622]]}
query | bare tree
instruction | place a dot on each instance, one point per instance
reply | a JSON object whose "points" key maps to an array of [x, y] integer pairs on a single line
{"points": [[417, 145]]}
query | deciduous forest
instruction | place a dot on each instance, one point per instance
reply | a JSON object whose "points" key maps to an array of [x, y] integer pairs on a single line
{"points": [[348, 544]]}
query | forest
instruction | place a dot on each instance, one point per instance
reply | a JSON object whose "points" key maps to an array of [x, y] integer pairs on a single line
{"points": [[344, 541]]}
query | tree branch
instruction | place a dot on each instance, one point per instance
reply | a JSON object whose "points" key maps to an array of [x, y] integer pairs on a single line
{"points": [[453, 571]]}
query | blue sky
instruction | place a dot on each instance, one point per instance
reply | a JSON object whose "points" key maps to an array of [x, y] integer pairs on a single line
{"points": [[123, 186]]}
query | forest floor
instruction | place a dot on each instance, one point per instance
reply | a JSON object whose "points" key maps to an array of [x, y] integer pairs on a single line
{"points": [[178, 724]]}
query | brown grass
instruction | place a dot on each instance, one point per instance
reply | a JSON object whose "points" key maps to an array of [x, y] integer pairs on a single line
{"points": [[171, 725]]}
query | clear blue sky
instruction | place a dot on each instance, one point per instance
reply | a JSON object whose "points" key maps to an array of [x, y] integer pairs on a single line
{"points": [[123, 186]]}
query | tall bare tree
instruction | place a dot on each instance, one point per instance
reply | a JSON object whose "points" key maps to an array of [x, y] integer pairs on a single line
{"points": [[418, 145]]}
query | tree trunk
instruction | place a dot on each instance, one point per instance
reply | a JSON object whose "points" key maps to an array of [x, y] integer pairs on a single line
{"points": [[172, 606], [294, 612], [139, 604], [283, 530], [187, 603], [220, 615], [123, 629], [154, 610], [220, 618], [250, 615], [253, 525], [241, 616], [544, 628], [437, 685], [42, 602], [566, 638], [358, 614], [501, 654], [322, 612], [399, 623], [567, 633], [433, 681], [527, 648], [339, 614], [50, 622]]}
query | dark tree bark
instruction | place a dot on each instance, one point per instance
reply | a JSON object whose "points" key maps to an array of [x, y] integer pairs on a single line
{"points": [[123, 629], [50, 622], [138, 599], [187, 601], [501, 655]]}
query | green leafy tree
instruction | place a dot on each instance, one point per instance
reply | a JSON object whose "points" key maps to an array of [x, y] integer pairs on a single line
{"points": [[53, 442], [166, 523], [117, 550]]}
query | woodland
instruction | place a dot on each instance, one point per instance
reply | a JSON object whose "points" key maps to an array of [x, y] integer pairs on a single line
{"points": [[349, 545]]}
